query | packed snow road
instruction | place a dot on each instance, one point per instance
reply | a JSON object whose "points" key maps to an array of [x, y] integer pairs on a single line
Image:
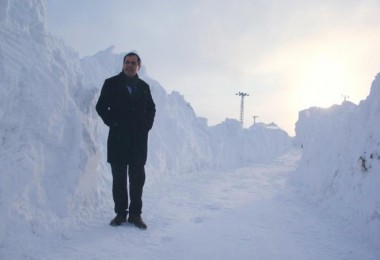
{"points": [[249, 213]]}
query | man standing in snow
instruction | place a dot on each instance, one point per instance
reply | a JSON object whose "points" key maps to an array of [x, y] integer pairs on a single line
{"points": [[127, 108]]}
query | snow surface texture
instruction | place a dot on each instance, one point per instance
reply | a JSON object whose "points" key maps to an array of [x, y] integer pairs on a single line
{"points": [[54, 179]]}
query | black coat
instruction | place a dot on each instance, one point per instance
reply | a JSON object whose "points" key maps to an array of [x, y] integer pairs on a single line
{"points": [[129, 117]]}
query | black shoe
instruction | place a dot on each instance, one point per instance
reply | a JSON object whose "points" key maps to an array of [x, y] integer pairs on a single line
{"points": [[118, 220], [137, 220]]}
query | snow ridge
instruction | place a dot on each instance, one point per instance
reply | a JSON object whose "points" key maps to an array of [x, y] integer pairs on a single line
{"points": [[340, 165], [46, 143]]}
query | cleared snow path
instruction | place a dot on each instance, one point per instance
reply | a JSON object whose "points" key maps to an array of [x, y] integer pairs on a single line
{"points": [[249, 213]]}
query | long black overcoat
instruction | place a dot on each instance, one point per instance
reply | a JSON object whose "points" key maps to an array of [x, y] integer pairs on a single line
{"points": [[129, 117]]}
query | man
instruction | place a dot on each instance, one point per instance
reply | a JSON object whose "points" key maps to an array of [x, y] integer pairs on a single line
{"points": [[126, 106]]}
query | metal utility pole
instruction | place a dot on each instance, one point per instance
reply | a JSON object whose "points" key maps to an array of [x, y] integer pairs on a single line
{"points": [[242, 95], [254, 119]]}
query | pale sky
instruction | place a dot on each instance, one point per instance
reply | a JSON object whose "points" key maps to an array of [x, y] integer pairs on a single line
{"points": [[288, 55]]}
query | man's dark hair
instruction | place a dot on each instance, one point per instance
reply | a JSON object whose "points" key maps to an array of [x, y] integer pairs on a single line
{"points": [[133, 54]]}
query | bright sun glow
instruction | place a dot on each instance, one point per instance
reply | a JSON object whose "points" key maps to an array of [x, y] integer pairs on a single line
{"points": [[323, 82]]}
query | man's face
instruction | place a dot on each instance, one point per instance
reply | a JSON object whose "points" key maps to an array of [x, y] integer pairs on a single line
{"points": [[131, 66]]}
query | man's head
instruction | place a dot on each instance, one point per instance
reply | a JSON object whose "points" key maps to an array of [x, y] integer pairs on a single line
{"points": [[131, 64]]}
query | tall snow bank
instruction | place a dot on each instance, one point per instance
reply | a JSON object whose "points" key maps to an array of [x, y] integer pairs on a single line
{"points": [[47, 133], [340, 165]]}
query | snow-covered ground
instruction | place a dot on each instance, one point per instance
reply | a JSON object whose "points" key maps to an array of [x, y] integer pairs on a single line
{"points": [[216, 192], [248, 213]]}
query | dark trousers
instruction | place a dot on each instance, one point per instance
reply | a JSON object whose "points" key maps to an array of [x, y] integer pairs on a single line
{"points": [[136, 176]]}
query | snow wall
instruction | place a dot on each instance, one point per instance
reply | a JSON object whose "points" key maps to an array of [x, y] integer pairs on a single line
{"points": [[53, 170], [340, 166]]}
